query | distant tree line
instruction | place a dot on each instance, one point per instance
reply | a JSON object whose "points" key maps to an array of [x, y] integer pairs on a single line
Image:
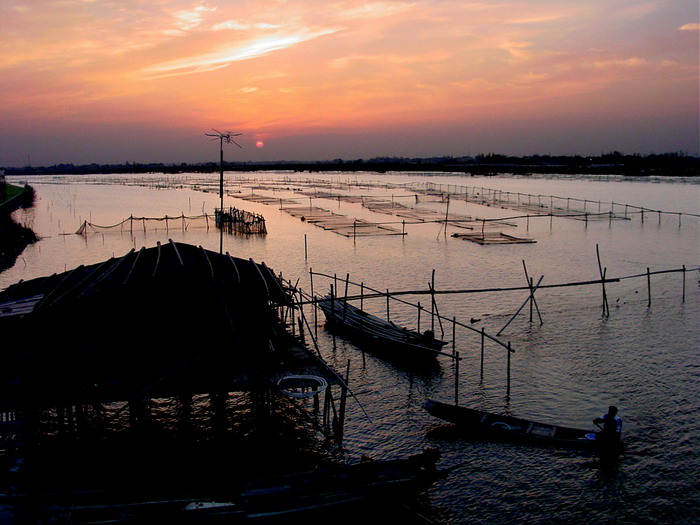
{"points": [[678, 164]]}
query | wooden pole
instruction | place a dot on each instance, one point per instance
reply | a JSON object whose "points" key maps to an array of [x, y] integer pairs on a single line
{"points": [[683, 298], [432, 302], [483, 337], [387, 305], [454, 335], [457, 378], [345, 299], [606, 308], [648, 288], [341, 409], [447, 214], [306, 249], [313, 298], [532, 298], [420, 308], [508, 387]]}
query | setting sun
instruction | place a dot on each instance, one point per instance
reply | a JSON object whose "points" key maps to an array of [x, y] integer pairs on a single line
{"points": [[259, 144]]}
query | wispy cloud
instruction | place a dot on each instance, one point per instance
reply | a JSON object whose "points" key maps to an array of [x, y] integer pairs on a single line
{"points": [[227, 54]]}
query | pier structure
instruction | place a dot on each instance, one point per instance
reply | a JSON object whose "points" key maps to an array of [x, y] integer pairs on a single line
{"points": [[183, 347]]}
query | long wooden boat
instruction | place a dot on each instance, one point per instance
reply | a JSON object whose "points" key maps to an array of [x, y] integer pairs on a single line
{"points": [[359, 488], [396, 341], [496, 427]]}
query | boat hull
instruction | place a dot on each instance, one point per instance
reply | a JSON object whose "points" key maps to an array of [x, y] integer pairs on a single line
{"points": [[377, 334], [494, 427]]}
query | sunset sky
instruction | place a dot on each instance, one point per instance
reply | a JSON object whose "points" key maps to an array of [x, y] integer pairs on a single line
{"points": [[102, 81]]}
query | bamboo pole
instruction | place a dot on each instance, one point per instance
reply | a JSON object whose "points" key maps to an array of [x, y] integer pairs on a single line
{"points": [[508, 379], [387, 305], [483, 337], [432, 301], [648, 288], [683, 297], [457, 360], [606, 308], [345, 300], [454, 335], [532, 291]]}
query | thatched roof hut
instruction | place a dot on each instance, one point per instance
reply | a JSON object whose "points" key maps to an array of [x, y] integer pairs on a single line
{"points": [[156, 321]]}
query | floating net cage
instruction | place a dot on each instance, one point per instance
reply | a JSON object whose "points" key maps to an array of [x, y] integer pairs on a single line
{"points": [[232, 220]]}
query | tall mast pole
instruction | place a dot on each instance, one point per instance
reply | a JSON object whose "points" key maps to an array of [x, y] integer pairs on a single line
{"points": [[228, 137]]}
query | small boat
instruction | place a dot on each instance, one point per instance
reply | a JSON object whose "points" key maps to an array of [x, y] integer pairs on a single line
{"points": [[395, 341], [495, 427], [364, 488]]}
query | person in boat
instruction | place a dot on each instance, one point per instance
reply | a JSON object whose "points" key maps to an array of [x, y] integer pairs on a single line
{"points": [[429, 336], [612, 425]]}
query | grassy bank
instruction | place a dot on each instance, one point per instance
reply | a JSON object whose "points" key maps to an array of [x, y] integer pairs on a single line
{"points": [[14, 237]]}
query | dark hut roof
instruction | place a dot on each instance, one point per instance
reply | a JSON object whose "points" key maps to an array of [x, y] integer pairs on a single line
{"points": [[163, 318]]}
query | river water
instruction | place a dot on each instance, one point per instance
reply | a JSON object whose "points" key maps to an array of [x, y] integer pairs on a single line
{"points": [[566, 369]]}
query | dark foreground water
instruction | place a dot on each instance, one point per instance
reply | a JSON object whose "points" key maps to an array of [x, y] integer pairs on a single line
{"points": [[641, 357]]}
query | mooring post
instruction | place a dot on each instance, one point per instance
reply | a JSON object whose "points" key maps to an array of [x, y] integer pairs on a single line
{"points": [[648, 288], [454, 335], [420, 308], [387, 305], [345, 299], [510, 351], [362, 295], [456, 378], [603, 271], [532, 297], [306, 249], [432, 302], [341, 409], [483, 337], [683, 296]]}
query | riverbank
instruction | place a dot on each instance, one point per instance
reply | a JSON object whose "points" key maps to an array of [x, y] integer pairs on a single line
{"points": [[667, 164], [14, 238]]}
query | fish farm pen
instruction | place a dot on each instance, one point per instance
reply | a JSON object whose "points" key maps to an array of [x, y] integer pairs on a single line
{"points": [[233, 220]]}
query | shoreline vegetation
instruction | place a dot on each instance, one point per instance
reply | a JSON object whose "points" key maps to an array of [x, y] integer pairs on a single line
{"points": [[14, 238], [615, 163]]}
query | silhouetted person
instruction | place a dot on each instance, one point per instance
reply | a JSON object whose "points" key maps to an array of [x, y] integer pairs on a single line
{"points": [[612, 425]]}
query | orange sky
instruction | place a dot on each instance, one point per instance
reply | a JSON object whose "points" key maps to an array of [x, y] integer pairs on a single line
{"points": [[123, 80]]}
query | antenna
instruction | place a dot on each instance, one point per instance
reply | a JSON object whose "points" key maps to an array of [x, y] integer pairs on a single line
{"points": [[222, 136]]}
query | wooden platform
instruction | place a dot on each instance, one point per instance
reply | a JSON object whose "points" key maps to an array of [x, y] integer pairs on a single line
{"points": [[492, 238]]}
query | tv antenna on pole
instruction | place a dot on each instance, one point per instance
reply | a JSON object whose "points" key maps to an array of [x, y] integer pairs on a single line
{"points": [[222, 136]]}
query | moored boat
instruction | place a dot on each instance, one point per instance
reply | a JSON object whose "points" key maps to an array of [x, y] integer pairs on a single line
{"points": [[361, 489], [381, 335], [486, 425]]}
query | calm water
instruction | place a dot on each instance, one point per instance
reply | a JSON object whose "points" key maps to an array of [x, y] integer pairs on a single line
{"points": [[567, 370]]}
